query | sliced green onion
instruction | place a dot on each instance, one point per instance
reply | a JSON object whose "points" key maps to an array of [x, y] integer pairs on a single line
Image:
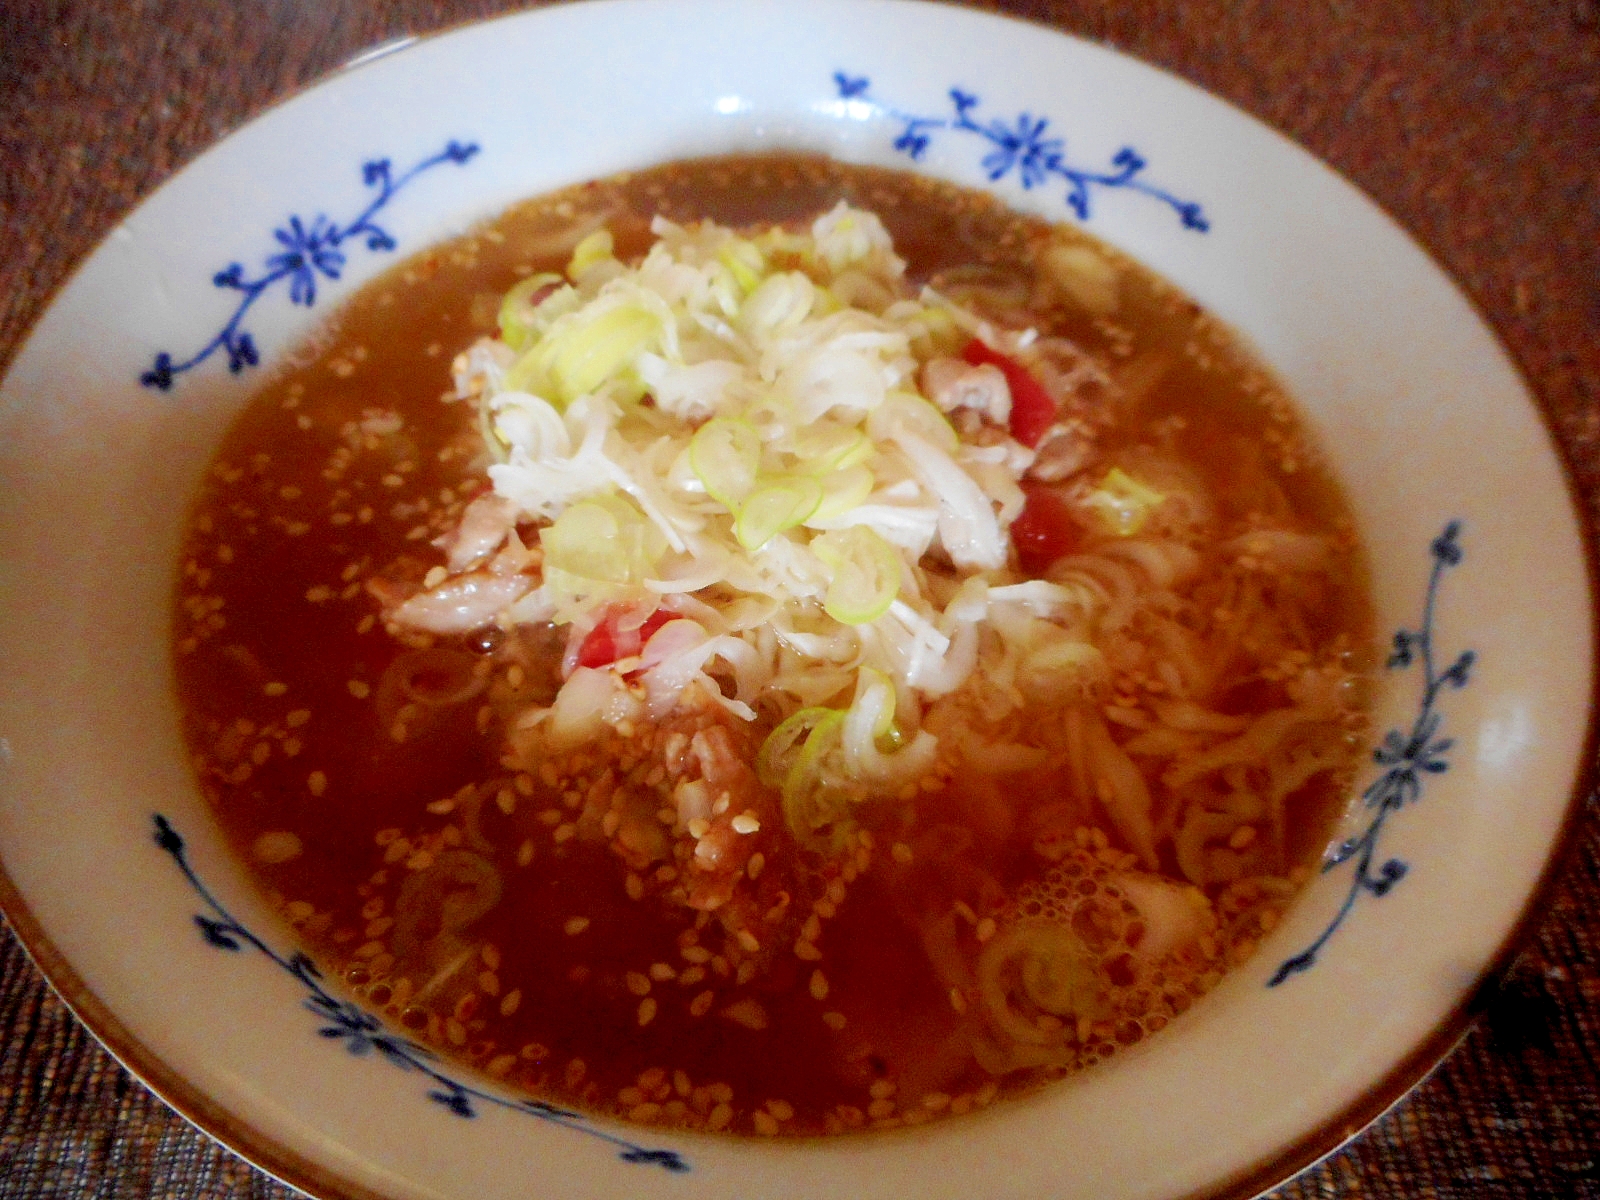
{"points": [[843, 491], [825, 303], [782, 747], [581, 358], [517, 309], [830, 446], [1123, 503], [725, 455], [775, 507], [745, 263], [866, 574], [812, 798], [595, 248], [870, 678]]}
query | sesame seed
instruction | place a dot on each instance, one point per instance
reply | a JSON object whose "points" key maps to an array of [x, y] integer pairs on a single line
{"points": [[300, 910], [275, 689], [636, 983], [317, 783], [747, 1012], [901, 852], [510, 1002], [358, 689], [277, 847], [834, 1020], [765, 1123], [652, 1079], [721, 1117], [701, 1004], [819, 985], [647, 1010], [746, 822], [575, 925]]}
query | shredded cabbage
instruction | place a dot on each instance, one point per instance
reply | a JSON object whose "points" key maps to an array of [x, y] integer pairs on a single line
{"points": [[739, 429], [741, 415]]}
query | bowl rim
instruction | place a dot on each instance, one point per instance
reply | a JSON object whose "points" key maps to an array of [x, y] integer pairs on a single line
{"points": [[285, 1163]]}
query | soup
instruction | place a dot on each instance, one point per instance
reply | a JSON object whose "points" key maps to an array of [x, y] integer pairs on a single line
{"points": [[675, 655]]}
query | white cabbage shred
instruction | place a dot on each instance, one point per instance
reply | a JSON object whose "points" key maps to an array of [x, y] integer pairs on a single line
{"points": [[794, 539], [764, 458]]}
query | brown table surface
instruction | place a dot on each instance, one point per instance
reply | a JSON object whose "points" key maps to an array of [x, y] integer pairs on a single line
{"points": [[1476, 124]]}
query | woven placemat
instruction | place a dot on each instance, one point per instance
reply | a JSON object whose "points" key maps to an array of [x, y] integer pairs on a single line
{"points": [[1477, 126]]}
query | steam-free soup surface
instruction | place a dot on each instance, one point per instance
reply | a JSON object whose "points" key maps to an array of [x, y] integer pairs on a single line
{"points": [[534, 906]]}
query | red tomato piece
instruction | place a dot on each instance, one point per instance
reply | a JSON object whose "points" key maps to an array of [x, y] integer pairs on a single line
{"points": [[1033, 410], [606, 643], [1045, 530]]}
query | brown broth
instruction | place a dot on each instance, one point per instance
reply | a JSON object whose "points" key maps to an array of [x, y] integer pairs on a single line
{"points": [[280, 657]]}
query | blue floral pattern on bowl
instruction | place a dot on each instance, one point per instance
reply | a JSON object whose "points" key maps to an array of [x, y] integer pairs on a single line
{"points": [[1024, 147], [1407, 758], [308, 249], [362, 1033]]}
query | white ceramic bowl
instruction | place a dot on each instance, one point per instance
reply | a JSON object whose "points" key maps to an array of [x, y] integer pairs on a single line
{"points": [[1471, 529]]}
